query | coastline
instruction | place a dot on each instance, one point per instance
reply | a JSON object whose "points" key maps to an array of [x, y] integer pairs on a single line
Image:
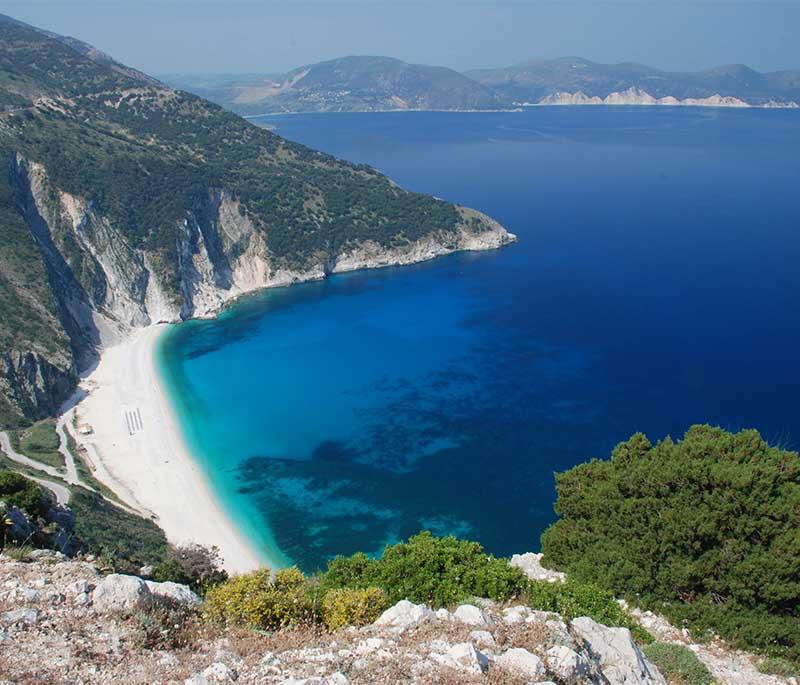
{"points": [[150, 465]]}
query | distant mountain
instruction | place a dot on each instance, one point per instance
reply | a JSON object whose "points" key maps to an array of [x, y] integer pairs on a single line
{"points": [[533, 82], [349, 84], [365, 84]]}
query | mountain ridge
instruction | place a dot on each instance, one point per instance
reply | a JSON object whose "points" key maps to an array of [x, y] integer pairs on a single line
{"points": [[370, 83]]}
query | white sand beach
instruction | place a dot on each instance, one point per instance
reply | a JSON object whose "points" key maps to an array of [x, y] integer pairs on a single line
{"points": [[138, 451]]}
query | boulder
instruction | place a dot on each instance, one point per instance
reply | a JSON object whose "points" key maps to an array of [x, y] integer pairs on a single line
{"points": [[531, 565], [46, 555], [567, 664], [482, 638], [463, 657], [522, 663], [404, 615], [615, 653], [119, 593], [174, 592], [472, 616]]}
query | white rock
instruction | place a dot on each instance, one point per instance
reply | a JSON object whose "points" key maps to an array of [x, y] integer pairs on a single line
{"points": [[29, 594], [333, 679], [167, 659], [463, 657], [531, 566], [440, 646], [521, 662], [404, 615], [369, 645], [615, 653], [26, 616], [567, 664], [482, 638], [216, 673], [472, 616], [523, 614], [558, 634], [443, 615], [174, 592], [79, 587], [118, 593]]}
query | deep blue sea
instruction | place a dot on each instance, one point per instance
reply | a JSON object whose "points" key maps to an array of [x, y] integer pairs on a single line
{"points": [[655, 284]]}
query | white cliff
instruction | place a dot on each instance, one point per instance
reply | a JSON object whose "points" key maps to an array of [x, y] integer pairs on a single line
{"points": [[637, 96]]}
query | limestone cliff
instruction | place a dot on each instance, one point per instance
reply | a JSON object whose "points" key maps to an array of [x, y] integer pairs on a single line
{"points": [[125, 203], [105, 287]]}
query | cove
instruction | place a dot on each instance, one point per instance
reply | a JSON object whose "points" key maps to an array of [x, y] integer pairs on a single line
{"points": [[655, 285]]}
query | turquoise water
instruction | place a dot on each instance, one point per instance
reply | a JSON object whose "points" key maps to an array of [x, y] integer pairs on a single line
{"points": [[654, 285]]}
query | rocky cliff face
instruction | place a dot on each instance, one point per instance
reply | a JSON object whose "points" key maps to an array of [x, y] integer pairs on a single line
{"points": [[105, 287]]}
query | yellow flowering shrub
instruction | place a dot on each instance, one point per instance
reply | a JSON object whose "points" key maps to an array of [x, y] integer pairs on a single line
{"points": [[350, 607], [257, 600]]}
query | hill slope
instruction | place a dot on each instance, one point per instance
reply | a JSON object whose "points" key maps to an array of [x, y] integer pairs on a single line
{"points": [[124, 202], [349, 84], [533, 81]]}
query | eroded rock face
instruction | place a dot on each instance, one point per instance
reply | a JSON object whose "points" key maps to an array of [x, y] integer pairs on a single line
{"points": [[616, 654], [221, 255]]}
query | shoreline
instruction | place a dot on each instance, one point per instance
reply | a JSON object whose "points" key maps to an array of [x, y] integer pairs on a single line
{"points": [[143, 455], [523, 106]]}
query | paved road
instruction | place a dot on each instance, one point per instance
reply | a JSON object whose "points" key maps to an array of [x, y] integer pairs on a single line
{"points": [[63, 424], [61, 492], [5, 445]]}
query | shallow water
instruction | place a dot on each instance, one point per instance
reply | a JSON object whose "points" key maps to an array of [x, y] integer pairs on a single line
{"points": [[655, 285]]}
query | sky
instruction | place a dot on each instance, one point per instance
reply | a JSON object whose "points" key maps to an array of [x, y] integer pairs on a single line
{"points": [[274, 36]]}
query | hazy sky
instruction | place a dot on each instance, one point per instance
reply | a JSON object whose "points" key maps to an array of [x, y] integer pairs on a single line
{"points": [[160, 36]]}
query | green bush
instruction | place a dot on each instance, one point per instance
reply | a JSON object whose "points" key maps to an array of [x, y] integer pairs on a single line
{"points": [[352, 607], [573, 599], [705, 530], [197, 566], [23, 493], [678, 664], [437, 571], [124, 540], [775, 665], [259, 601], [167, 625]]}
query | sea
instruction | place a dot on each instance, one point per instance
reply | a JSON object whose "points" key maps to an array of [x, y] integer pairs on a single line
{"points": [[655, 285]]}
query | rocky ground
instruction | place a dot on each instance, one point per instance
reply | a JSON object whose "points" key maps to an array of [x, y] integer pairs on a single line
{"points": [[61, 621]]}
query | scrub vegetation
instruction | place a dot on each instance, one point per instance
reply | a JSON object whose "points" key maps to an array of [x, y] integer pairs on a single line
{"points": [[705, 530]]}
